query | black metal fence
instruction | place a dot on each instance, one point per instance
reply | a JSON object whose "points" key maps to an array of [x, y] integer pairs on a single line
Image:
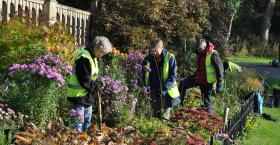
{"points": [[236, 124]]}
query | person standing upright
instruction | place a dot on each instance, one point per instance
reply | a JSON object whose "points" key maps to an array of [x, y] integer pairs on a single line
{"points": [[161, 79]]}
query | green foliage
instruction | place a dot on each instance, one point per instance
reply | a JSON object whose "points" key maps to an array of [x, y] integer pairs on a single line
{"points": [[125, 116], [5, 139], [4, 89], [233, 4], [20, 43], [112, 66], [249, 59], [247, 20], [273, 83], [255, 47], [241, 84], [59, 41], [173, 21], [186, 63], [9, 123], [36, 97], [192, 99], [23, 43], [148, 126]]}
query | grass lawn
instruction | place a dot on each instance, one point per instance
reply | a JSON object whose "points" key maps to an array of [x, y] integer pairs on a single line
{"points": [[250, 59], [267, 132]]}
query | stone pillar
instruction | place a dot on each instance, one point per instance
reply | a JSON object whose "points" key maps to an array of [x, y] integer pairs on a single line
{"points": [[50, 10], [1, 10]]}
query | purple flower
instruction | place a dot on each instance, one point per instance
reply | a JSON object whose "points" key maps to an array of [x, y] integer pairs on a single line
{"points": [[49, 66], [72, 112], [137, 67], [134, 60], [145, 90], [77, 113], [114, 94], [147, 69]]}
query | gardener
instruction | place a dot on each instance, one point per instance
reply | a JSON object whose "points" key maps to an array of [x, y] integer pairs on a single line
{"points": [[161, 79], [82, 86], [209, 71], [231, 67]]}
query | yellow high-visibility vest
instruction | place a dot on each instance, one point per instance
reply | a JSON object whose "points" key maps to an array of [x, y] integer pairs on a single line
{"points": [[74, 88], [210, 70], [234, 67], [173, 91]]}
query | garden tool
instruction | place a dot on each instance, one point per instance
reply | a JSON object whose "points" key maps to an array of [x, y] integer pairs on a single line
{"points": [[99, 109]]}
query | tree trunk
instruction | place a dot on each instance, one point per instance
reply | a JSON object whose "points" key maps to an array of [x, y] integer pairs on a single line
{"points": [[265, 24], [230, 26]]}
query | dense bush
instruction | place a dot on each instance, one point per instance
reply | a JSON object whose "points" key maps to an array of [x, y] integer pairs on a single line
{"points": [[239, 85], [115, 95], [255, 47], [37, 87], [148, 126], [173, 21], [24, 43], [59, 41], [20, 43]]}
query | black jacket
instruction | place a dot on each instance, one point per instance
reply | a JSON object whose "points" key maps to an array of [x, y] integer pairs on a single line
{"points": [[83, 72]]}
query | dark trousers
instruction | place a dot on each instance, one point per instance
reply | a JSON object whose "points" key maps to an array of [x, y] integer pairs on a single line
{"points": [[157, 102], [206, 90]]}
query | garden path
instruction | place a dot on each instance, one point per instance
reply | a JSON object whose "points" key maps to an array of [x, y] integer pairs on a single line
{"points": [[264, 69]]}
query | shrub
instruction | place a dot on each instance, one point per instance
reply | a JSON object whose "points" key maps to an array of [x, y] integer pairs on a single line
{"points": [[59, 41], [147, 127], [37, 87], [20, 43], [241, 84], [114, 95], [133, 73], [127, 69], [23, 43], [125, 116], [173, 21], [254, 46]]}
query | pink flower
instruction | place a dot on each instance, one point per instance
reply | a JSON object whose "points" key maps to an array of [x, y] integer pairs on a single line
{"points": [[147, 69], [10, 111]]}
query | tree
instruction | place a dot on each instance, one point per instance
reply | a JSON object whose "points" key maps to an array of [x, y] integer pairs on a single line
{"points": [[131, 24], [265, 24], [222, 16]]}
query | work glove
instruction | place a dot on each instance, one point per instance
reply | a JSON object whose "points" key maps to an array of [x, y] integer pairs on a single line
{"points": [[99, 86]]}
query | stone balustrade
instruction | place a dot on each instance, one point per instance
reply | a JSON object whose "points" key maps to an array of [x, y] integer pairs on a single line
{"points": [[47, 12]]}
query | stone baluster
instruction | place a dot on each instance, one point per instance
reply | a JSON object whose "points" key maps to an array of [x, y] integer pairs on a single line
{"points": [[8, 2]]}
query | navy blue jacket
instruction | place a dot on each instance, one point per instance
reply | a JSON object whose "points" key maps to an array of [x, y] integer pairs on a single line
{"points": [[156, 73]]}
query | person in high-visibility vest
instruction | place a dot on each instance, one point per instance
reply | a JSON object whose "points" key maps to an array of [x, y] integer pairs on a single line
{"points": [[161, 79], [209, 71], [82, 86], [231, 67]]}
